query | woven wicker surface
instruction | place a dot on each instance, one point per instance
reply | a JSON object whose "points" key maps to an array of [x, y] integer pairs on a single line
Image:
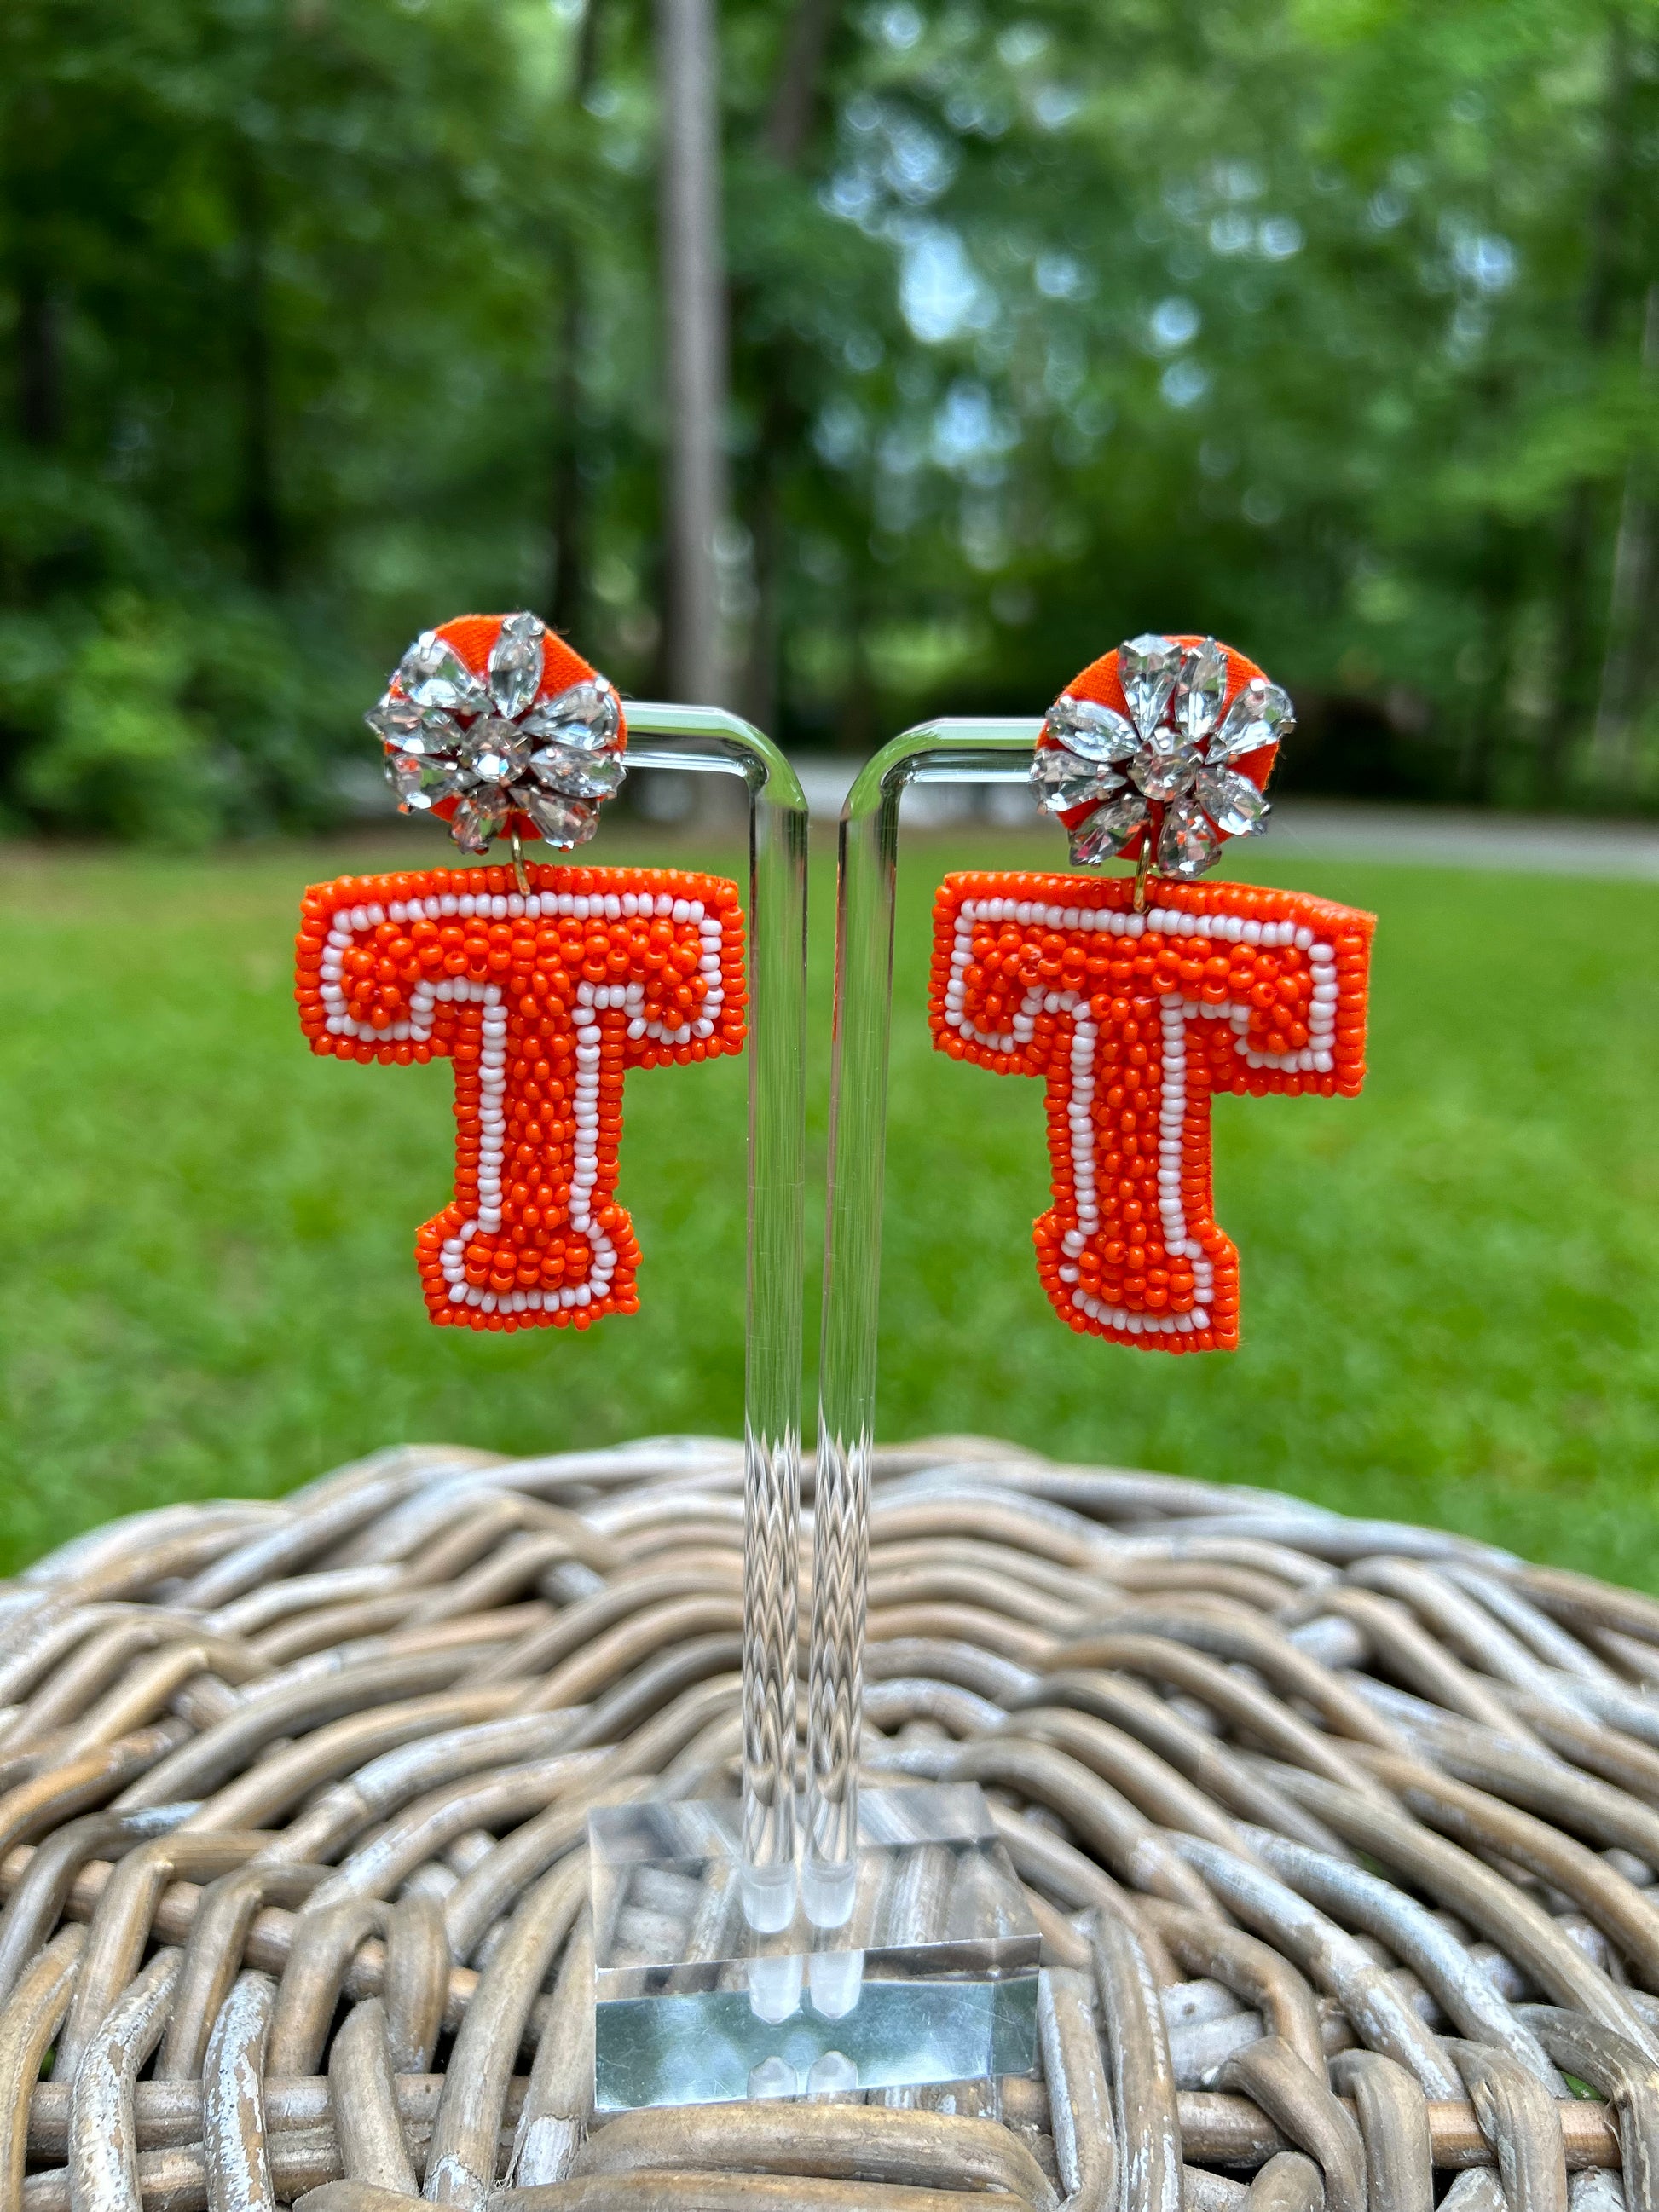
{"points": [[1341, 1837]]}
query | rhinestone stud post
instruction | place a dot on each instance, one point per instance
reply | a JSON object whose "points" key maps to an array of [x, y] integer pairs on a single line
{"points": [[490, 750], [1162, 779]]}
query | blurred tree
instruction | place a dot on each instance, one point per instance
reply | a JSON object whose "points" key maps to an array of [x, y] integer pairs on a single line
{"points": [[1330, 329], [694, 346], [566, 587]]}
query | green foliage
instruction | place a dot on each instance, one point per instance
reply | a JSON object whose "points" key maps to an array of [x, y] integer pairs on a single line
{"points": [[122, 751], [1451, 1285], [152, 725], [1331, 327]]}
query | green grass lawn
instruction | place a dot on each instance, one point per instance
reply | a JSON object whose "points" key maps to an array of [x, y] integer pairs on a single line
{"points": [[1450, 1286]]}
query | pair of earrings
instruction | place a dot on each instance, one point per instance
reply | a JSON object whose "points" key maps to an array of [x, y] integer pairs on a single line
{"points": [[1136, 1000]]}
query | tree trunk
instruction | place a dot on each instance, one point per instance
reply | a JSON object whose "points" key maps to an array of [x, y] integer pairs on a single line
{"points": [[259, 519], [781, 427], [856, 731], [1577, 661], [1632, 568], [567, 595], [695, 345], [1489, 723], [795, 96], [789, 129], [40, 361], [567, 591]]}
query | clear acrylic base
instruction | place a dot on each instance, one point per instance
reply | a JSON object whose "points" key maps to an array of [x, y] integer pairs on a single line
{"points": [[932, 1977]]}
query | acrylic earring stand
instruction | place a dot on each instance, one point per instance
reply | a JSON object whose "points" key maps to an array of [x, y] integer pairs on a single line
{"points": [[900, 1951]]}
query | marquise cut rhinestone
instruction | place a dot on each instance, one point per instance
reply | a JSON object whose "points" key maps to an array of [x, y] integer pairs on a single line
{"points": [[1148, 668], [516, 665], [1086, 727], [413, 729], [587, 718], [433, 674], [480, 816], [561, 820], [421, 779], [1261, 715], [1061, 780], [1201, 689], [1232, 802], [576, 774], [1099, 834], [1187, 842]]}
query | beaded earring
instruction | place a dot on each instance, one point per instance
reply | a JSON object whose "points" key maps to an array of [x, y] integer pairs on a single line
{"points": [[1139, 1000], [545, 985]]}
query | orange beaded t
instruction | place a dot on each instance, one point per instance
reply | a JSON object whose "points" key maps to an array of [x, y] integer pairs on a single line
{"points": [[1138, 1002], [544, 1000]]}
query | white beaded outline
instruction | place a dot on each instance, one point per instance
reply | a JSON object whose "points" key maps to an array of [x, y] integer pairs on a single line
{"points": [[1176, 1010], [596, 999]]}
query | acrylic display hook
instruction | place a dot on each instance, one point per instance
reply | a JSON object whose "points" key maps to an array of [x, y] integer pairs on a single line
{"points": [[703, 741], [964, 750]]}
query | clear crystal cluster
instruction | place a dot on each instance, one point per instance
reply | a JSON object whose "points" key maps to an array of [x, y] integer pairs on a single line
{"points": [[1166, 768], [494, 745]]}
